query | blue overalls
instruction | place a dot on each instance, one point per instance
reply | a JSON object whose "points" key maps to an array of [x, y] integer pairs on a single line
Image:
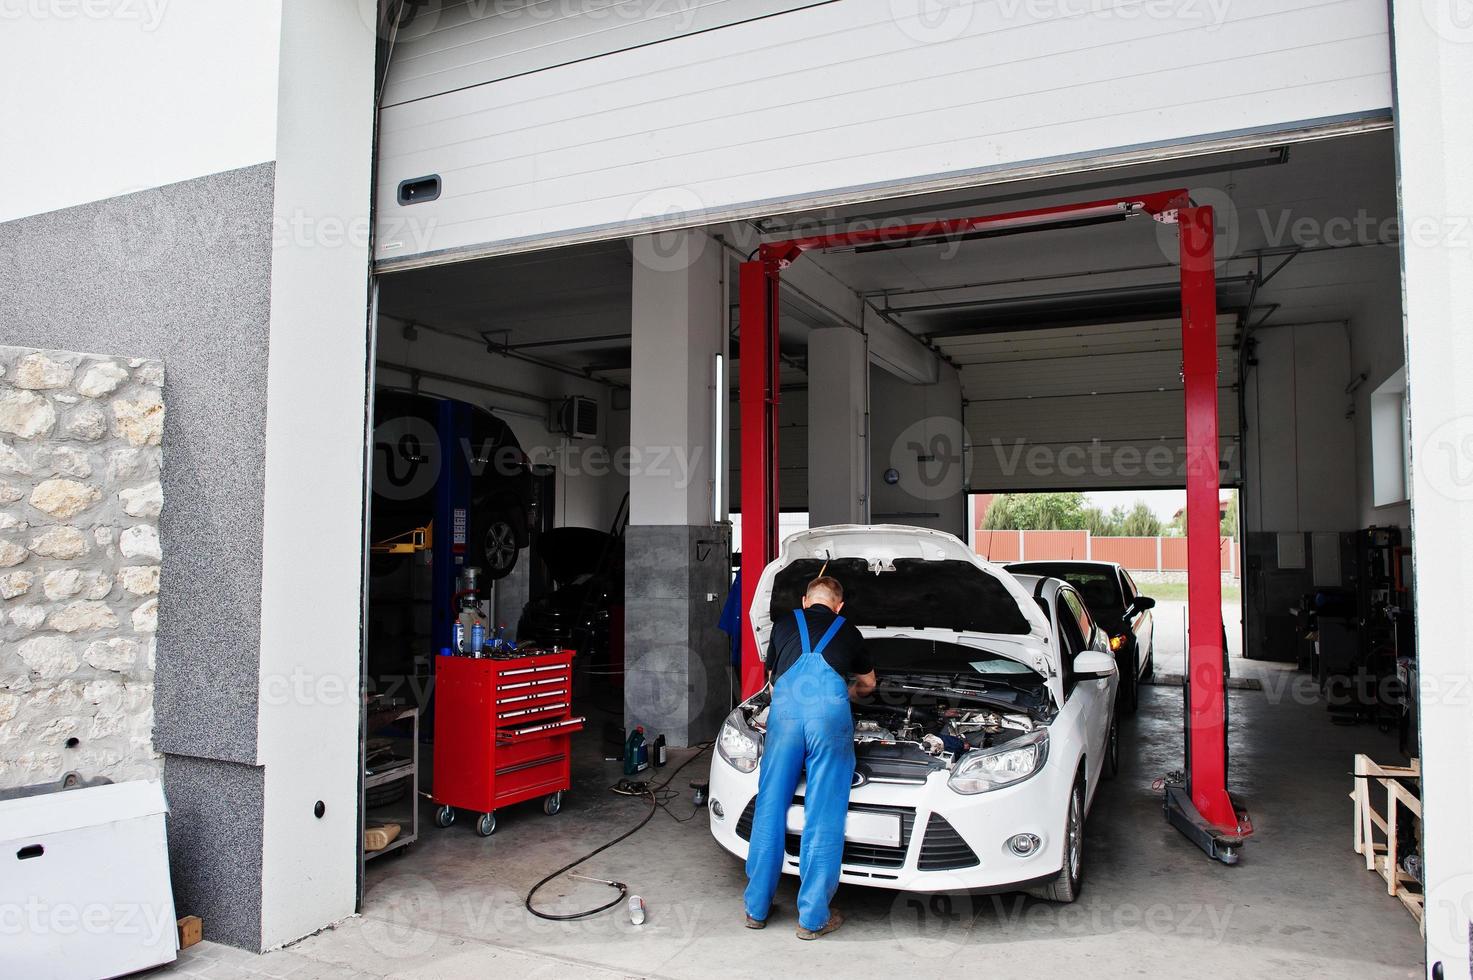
{"points": [[808, 725]]}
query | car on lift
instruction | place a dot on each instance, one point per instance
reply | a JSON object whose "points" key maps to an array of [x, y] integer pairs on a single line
{"points": [[981, 751], [1118, 606], [407, 455]]}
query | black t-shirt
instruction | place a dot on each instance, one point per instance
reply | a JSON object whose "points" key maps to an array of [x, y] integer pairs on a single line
{"points": [[845, 652]]}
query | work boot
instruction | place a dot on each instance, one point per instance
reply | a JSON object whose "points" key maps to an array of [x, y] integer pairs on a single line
{"points": [[836, 919], [759, 923]]}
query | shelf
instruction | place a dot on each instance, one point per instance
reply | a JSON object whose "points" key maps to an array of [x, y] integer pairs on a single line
{"points": [[380, 778]]}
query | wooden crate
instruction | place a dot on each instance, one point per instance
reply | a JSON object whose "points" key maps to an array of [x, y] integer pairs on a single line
{"points": [[1381, 856]]}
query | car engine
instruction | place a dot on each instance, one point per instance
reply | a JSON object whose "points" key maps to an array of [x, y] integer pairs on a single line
{"points": [[938, 731]]}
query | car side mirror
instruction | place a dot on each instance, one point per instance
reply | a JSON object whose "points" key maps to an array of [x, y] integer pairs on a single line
{"points": [[1142, 603], [1093, 665]]}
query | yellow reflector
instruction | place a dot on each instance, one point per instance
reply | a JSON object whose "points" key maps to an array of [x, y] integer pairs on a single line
{"points": [[1116, 642]]}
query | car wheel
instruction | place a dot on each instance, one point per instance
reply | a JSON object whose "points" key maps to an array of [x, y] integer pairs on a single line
{"points": [[1150, 670], [1065, 885], [498, 547], [1130, 684], [1112, 749]]}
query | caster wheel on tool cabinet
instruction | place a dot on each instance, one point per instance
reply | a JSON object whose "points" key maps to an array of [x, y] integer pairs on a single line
{"points": [[552, 803], [486, 826], [445, 816]]}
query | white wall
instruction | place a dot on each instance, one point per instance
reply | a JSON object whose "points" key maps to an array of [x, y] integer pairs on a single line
{"points": [[139, 95], [1300, 449], [1435, 172], [908, 419], [315, 429]]}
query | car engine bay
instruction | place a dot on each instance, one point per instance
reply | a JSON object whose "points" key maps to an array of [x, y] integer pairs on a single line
{"points": [[921, 726]]}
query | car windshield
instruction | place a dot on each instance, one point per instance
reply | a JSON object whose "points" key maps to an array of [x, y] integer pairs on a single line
{"points": [[1099, 586]]}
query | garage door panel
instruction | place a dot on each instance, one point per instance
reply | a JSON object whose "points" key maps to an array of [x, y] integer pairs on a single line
{"points": [[479, 41], [1137, 371], [823, 100], [1081, 418], [998, 464]]}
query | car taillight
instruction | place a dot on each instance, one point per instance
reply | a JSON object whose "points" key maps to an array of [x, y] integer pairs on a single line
{"points": [[1116, 642]]}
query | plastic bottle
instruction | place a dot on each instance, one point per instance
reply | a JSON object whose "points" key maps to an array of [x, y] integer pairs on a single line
{"points": [[636, 910], [634, 748], [657, 752]]}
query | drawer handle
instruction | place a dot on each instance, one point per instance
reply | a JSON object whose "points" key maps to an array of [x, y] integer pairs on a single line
{"points": [[30, 851]]}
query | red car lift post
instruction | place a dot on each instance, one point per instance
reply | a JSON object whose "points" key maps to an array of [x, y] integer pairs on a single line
{"points": [[1202, 809]]}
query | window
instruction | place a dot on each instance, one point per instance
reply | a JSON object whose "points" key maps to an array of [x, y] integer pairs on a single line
{"points": [[1081, 617], [1389, 460]]}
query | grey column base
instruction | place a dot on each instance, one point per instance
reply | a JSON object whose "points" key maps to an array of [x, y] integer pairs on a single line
{"points": [[678, 680], [216, 845]]}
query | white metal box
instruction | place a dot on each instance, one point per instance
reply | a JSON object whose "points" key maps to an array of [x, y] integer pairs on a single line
{"points": [[84, 883]]}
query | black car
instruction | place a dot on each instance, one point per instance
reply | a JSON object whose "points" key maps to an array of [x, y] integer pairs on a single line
{"points": [[406, 470], [1118, 607], [583, 610]]}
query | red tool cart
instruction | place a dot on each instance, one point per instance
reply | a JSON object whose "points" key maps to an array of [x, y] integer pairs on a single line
{"points": [[502, 734]]}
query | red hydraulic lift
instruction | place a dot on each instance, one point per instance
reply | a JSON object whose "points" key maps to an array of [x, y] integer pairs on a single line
{"points": [[1201, 808]]}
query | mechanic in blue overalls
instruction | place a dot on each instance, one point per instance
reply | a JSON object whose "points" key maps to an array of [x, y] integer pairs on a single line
{"points": [[809, 727]]}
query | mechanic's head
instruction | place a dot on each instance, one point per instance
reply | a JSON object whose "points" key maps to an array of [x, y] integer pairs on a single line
{"points": [[824, 591]]}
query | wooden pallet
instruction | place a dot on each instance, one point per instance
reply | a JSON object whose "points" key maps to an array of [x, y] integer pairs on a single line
{"points": [[1381, 857]]}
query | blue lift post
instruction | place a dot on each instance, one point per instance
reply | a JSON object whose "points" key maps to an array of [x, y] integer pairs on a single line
{"points": [[452, 515]]}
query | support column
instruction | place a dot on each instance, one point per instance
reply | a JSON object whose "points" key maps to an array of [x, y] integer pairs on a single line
{"points": [[838, 408], [1434, 70], [918, 432], [677, 679]]}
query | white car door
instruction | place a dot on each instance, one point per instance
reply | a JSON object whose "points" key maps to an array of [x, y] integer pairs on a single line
{"points": [[1078, 632]]}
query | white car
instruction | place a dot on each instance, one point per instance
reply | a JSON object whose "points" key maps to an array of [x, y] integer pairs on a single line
{"points": [[978, 756]]}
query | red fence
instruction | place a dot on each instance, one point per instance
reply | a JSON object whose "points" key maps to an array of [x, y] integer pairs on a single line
{"points": [[1160, 554]]}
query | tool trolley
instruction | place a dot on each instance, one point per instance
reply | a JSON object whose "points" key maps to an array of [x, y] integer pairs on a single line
{"points": [[503, 730]]}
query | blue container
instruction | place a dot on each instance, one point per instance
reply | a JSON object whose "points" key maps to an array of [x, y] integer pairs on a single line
{"points": [[458, 635], [478, 639]]}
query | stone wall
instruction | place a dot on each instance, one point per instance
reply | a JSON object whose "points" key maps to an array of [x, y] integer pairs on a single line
{"points": [[80, 498]]}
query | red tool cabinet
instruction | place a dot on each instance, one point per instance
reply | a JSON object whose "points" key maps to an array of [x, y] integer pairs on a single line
{"points": [[502, 734]]}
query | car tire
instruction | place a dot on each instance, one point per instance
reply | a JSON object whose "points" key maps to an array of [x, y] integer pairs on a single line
{"points": [[1150, 670], [496, 546], [1130, 686], [1065, 886], [1112, 749]]}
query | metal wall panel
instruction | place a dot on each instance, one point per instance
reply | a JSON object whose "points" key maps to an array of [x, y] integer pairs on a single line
{"points": [[846, 100]]}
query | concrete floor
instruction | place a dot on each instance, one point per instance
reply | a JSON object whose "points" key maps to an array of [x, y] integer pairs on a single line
{"points": [[1298, 905]]}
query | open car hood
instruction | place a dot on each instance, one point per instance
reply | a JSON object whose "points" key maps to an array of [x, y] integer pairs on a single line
{"points": [[908, 580]]}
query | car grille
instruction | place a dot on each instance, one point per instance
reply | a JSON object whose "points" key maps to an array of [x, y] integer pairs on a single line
{"points": [[896, 770], [744, 822], [872, 855], [943, 849]]}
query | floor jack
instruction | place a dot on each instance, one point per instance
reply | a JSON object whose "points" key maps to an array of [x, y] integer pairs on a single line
{"points": [[1199, 805]]}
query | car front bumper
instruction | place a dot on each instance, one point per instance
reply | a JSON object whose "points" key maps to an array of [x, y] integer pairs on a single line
{"points": [[949, 841]]}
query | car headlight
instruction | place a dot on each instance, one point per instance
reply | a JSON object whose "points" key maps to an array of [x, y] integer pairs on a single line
{"points": [[738, 744], [986, 769]]}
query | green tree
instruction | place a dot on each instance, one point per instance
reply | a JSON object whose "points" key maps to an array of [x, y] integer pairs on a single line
{"points": [[1140, 522], [1230, 517], [1036, 512]]}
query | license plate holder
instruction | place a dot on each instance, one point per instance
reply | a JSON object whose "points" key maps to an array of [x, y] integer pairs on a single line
{"points": [[860, 826]]}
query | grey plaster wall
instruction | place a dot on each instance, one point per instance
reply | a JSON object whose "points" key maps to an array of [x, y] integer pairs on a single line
{"points": [[182, 274], [677, 676]]}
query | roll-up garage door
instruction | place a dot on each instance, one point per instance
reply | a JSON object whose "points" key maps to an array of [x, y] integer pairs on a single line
{"points": [[508, 126], [1087, 407]]}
